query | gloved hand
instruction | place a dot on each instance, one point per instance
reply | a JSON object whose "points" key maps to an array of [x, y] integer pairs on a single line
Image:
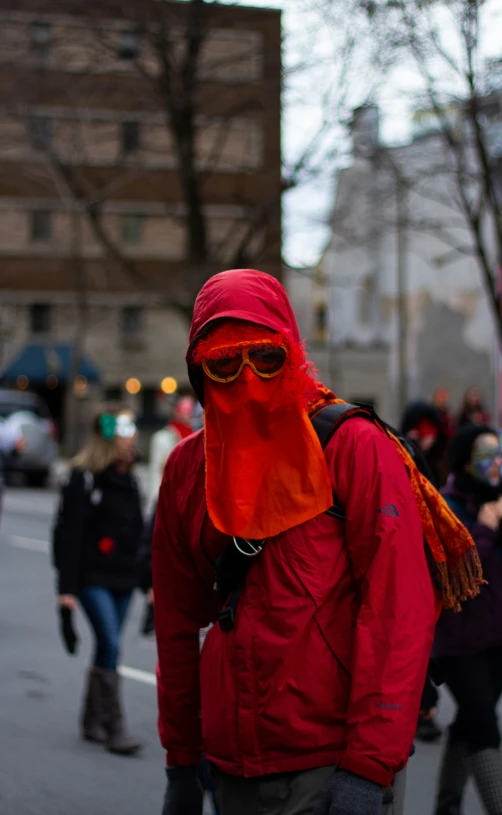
{"points": [[148, 622], [350, 794], [68, 632], [184, 792]]}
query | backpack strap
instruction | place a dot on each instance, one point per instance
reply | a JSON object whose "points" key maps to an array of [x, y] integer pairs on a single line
{"points": [[226, 617], [327, 421]]}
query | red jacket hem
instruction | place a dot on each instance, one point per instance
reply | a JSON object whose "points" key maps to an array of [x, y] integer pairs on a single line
{"points": [[182, 758], [277, 764], [367, 768]]}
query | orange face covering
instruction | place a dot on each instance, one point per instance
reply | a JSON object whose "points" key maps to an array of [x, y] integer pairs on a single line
{"points": [[265, 469]]}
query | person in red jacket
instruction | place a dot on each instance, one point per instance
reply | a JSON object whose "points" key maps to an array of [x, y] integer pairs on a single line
{"points": [[308, 703]]}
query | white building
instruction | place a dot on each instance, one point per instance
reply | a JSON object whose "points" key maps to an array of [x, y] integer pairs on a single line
{"points": [[400, 203]]}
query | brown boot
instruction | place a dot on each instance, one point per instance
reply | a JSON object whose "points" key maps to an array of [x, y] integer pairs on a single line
{"points": [[117, 740], [91, 720]]}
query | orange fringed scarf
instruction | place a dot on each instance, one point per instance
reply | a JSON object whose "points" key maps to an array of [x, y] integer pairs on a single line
{"points": [[450, 544]]}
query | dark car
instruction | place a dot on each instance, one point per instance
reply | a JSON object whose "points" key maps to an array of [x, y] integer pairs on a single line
{"points": [[31, 416]]}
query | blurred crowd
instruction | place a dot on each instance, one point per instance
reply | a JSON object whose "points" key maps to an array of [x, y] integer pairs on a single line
{"points": [[432, 425], [102, 552]]}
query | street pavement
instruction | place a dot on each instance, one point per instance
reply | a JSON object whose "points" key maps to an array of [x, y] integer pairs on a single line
{"points": [[44, 767]]}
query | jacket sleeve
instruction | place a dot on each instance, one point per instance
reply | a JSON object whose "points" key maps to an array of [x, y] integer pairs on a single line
{"points": [[395, 621], [183, 605], [162, 444], [144, 559], [74, 510]]}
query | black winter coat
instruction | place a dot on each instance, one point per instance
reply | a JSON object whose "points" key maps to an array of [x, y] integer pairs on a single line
{"points": [[145, 552], [101, 532]]}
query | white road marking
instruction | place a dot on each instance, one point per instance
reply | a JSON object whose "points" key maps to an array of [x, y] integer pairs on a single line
{"points": [[30, 504], [35, 545], [32, 544], [139, 676]]}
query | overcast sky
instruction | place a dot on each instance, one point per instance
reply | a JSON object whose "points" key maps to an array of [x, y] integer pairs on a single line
{"points": [[306, 209]]}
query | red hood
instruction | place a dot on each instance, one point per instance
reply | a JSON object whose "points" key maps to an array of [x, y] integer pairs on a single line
{"points": [[242, 294]]}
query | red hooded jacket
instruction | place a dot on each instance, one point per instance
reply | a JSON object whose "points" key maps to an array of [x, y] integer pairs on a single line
{"points": [[328, 655]]}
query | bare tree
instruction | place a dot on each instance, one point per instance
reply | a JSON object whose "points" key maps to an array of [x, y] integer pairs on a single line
{"points": [[182, 66], [200, 70], [443, 43], [194, 64]]}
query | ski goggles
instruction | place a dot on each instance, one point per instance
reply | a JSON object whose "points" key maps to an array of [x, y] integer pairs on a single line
{"points": [[266, 361], [485, 458]]}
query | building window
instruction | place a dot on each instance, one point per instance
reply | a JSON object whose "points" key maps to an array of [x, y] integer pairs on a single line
{"points": [[130, 137], [40, 318], [40, 37], [132, 229], [131, 320], [40, 132], [114, 394], [128, 45], [149, 403], [41, 225]]}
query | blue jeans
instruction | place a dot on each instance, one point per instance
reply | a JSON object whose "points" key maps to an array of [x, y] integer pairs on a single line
{"points": [[106, 611]]}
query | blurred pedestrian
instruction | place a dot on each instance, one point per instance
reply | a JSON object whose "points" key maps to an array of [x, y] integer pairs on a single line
{"points": [[11, 443], [145, 572], [422, 425], [96, 543], [198, 417], [441, 402], [473, 411], [307, 693], [427, 729], [165, 440], [468, 646], [162, 444]]}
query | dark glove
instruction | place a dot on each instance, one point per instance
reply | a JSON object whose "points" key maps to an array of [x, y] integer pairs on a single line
{"points": [[183, 793], [67, 629], [148, 621], [350, 794], [430, 695]]}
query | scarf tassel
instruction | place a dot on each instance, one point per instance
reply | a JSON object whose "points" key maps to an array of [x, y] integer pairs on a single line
{"points": [[461, 581]]}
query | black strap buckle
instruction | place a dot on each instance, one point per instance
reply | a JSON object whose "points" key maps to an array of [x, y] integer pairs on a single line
{"points": [[337, 512], [226, 619]]}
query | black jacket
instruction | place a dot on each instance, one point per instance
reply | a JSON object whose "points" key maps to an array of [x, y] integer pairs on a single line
{"points": [[101, 531], [145, 552]]}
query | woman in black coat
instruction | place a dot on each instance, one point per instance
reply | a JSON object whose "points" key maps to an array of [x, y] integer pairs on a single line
{"points": [[96, 545]]}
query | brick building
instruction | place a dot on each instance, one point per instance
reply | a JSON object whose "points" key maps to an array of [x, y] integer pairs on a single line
{"points": [[94, 202]]}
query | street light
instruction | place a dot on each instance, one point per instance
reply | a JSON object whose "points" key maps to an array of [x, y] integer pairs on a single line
{"points": [[169, 385], [133, 385], [80, 386]]}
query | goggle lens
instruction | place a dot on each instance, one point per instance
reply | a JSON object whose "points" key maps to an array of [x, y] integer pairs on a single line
{"points": [[486, 459], [265, 360], [224, 367]]}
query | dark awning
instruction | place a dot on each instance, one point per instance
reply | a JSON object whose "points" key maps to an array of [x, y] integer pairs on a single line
{"points": [[37, 362]]}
